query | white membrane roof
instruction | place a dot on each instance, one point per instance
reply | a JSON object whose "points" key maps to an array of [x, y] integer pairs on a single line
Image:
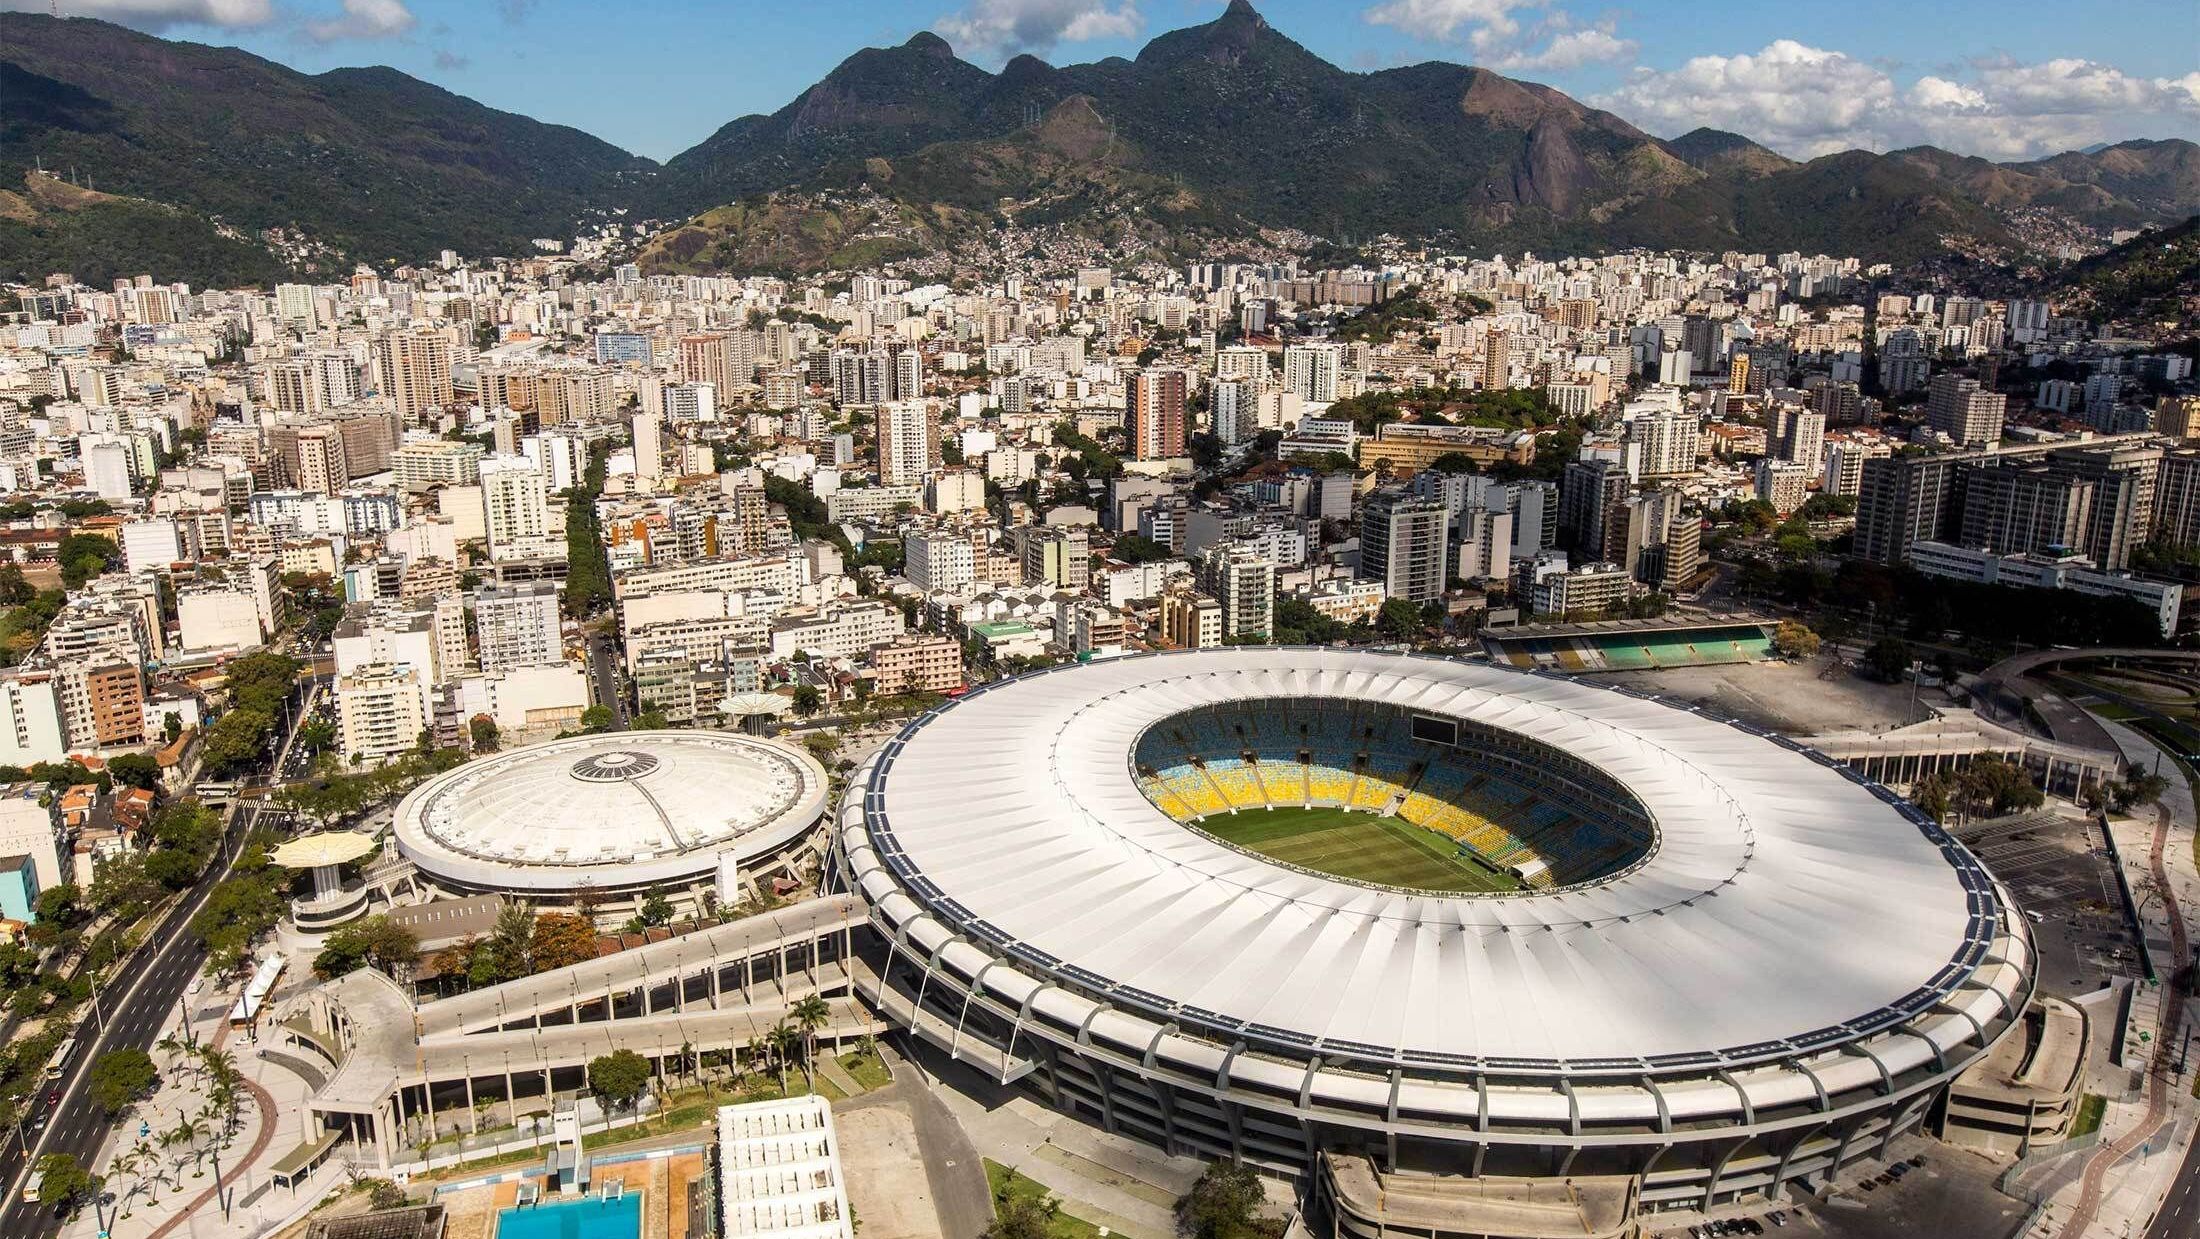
{"points": [[615, 809], [1783, 899]]}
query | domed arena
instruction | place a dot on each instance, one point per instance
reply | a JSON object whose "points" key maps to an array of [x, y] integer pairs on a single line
{"points": [[1356, 914], [613, 814]]}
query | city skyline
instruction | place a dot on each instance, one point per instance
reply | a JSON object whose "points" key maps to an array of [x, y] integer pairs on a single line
{"points": [[1962, 76]]}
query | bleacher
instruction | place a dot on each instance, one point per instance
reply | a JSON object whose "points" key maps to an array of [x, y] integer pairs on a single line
{"points": [[1243, 757]]}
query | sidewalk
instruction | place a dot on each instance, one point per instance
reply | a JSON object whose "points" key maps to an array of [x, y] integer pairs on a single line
{"points": [[2133, 1185], [274, 1120]]}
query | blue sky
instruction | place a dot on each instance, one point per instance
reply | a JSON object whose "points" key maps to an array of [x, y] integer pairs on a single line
{"points": [[2004, 80]]}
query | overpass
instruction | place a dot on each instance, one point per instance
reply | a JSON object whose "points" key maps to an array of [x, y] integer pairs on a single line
{"points": [[391, 1063], [1951, 739], [2007, 691]]}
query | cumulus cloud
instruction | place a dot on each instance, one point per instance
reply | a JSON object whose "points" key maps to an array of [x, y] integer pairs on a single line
{"points": [[363, 19], [1003, 28], [1486, 24], [1806, 101], [1571, 49], [161, 14]]}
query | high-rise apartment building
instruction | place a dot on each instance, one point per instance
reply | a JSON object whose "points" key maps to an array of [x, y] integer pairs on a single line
{"points": [[1959, 408], [415, 372], [908, 442], [515, 507], [1312, 371], [1153, 412], [1243, 581], [1404, 543]]}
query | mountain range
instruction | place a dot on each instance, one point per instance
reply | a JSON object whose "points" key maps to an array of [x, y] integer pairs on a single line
{"points": [[1211, 133]]}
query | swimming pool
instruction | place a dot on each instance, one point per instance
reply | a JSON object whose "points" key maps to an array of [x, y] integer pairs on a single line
{"points": [[578, 1219]]}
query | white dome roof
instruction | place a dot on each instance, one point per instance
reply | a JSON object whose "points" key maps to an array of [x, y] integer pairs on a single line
{"points": [[614, 810]]}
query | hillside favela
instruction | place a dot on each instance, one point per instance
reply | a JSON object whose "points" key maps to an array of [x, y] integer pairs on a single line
{"points": [[1099, 619]]}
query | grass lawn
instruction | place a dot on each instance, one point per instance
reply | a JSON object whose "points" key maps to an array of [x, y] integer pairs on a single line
{"points": [[866, 1069], [1005, 1182], [1364, 846], [2088, 1118]]}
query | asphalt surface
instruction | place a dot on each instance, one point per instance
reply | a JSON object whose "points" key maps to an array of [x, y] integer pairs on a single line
{"points": [[2180, 1215], [156, 978], [603, 678]]}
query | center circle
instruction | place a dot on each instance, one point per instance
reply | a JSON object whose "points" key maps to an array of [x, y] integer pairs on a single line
{"points": [[1386, 796], [613, 766]]}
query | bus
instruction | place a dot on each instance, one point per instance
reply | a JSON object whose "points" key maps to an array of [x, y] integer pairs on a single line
{"points": [[214, 793], [62, 1057]]}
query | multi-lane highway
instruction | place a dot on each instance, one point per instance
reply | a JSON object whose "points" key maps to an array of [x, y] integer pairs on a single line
{"points": [[129, 1015]]}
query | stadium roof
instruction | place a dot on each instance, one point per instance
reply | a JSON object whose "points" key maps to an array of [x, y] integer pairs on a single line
{"points": [[1786, 902], [622, 809]]}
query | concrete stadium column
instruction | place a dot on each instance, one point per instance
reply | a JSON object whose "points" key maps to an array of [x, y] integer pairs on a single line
{"points": [[473, 1115]]}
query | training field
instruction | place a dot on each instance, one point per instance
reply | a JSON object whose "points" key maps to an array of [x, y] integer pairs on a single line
{"points": [[1364, 846]]}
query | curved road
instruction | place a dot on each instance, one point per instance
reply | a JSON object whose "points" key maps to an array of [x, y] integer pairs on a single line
{"points": [[2159, 1069]]}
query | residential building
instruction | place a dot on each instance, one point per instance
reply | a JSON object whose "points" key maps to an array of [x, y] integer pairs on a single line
{"points": [[1404, 544], [518, 626]]}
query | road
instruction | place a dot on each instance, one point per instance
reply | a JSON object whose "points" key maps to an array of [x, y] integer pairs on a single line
{"points": [[2180, 1215], [603, 678], [132, 1020]]}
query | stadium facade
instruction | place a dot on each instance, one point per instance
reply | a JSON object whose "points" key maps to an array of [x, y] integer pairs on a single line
{"points": [[1720, 964]]}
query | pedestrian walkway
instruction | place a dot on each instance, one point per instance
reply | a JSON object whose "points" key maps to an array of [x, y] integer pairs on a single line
{"points": [[2125, 1179]]}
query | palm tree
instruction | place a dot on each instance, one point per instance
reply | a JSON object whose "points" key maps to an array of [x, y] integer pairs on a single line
{"points": [[810, 1015], [782, 1039]]}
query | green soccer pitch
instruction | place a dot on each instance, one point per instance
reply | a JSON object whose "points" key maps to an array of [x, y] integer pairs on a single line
{"points": [[1365, 847]]}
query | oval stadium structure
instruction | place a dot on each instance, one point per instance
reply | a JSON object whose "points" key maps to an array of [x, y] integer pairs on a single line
{"points": [[1358, 914], [617, 813]]}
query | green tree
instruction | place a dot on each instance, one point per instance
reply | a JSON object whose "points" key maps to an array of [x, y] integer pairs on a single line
{"points": [[651, 720], [120, 1078], [376, 942], [1134, 548], [1400, 620], [809, 1016], [66, 1184], [1022, 1215], [597, 719], [482, 730], [656, 909], [1225, 1204], [14, 589], [807, 700], [619, 1078], [135, 770], [1888, 659], [83, 556]]}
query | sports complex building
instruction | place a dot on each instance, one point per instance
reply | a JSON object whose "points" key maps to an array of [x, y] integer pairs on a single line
{"points": [[1481, 950], [618, 814]]}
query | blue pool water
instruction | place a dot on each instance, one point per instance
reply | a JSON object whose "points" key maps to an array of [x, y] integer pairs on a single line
{"points": [[579, 1219]]}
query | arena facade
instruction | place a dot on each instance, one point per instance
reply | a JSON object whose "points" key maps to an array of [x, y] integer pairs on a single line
{"points": [[1706, 963], [617, 814]]}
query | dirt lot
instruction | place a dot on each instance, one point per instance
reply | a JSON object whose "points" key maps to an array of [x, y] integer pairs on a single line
{"points": [[1788, 697]]}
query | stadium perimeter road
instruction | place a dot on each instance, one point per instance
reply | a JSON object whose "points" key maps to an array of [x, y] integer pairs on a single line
{"points": [[133, 1020], [2180, 1215]]}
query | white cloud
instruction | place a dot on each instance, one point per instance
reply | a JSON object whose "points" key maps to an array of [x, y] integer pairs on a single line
{"points": [[363, 19], [1003, 28], [1806, 101], [1571, 49], [1488, 24], [161, 14]]}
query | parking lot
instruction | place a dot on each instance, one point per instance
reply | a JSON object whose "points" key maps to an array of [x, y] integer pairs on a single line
{"points": [[2054, 865]]}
